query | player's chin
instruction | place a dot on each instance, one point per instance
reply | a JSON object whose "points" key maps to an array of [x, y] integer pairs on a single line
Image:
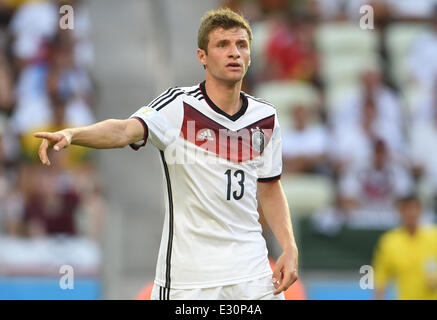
{"points": [[235, 77]]}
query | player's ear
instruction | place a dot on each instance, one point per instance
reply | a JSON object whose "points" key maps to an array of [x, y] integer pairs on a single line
{"points": [[201, 56]]}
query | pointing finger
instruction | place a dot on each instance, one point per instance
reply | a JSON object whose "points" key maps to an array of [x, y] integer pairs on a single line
{"points": [[43, 152], [44, 135]]}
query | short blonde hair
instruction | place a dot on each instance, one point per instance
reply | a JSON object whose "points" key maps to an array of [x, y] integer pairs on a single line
{"points": [[221, 18]]}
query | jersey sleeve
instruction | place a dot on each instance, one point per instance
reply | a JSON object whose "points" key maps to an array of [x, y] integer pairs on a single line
{"points": [[161, 119], [271, 167]]}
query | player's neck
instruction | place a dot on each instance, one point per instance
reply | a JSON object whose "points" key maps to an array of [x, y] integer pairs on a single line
{"points": [[225, 96], [412, 230]]}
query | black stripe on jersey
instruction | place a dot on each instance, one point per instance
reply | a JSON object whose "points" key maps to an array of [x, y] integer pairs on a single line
{"points": [[269, 179], [170, 227], [168, 101], [260, 100], [160, 96], [165, 96], [160, 293], [193, 91], [198, 94]]}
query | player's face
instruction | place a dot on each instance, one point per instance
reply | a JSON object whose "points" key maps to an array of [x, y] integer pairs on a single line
{"points": [[410, 213], [228, 54]]}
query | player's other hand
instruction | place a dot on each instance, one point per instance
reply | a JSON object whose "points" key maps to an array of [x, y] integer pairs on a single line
{"points": [[58, 140], [285, 271]]}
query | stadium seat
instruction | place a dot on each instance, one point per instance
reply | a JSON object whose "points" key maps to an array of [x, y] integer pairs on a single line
{"points": [[399, 38], [345, 69], [286, 94], [335, 95], [307, 193], [340, 38], [346, 52]]}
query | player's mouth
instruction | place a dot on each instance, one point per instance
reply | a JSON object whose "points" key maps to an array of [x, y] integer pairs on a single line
{"points": [[234, 66]]}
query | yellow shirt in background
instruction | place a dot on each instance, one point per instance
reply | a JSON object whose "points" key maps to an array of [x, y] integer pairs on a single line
{"points": [[410, 260]]}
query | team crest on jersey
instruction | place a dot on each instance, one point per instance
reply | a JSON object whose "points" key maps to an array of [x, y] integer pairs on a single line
{"points": [[258, 139], [205, 135]]}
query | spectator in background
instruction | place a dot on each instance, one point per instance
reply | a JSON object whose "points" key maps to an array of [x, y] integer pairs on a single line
{"points": [[407, 255], [58, 76], [52, 201], [77, 178], [423, 145], [354, 139], [369, 191], [290, 53], [386, 102], [83, 48], [70, 81], [304, 148], [33, 26], [422, 59]]}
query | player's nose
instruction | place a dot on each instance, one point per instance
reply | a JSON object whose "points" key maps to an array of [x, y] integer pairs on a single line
{"points": [[234, 52]]}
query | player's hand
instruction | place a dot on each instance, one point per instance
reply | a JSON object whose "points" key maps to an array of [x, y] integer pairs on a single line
{"points": [[58, 140], [285, 271]]}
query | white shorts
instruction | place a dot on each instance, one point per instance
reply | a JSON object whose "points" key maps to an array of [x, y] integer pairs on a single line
{"points": [[260, 289]]}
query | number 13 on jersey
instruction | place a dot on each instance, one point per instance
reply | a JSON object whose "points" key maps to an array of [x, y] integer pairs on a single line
{"points": [[239, 176]]}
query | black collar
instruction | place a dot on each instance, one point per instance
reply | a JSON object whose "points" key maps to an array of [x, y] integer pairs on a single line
{"points": [[233, 117]]}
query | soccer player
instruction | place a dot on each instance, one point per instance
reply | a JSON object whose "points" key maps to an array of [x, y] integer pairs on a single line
{"points": [[221, 154]]}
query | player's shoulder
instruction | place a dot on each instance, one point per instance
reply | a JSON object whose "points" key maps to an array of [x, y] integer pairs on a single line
{"points": [[174, 94], [430, 230], [193, 92], [259, 109], [392, 237], [182, 90], [259, 103]]}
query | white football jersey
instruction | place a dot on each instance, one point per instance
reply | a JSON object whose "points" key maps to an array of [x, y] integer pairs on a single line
{"points": [[212, 162]]}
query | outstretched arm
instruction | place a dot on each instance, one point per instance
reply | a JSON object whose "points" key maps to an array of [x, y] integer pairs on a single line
{"points": [[276, 213], [107, 134]]}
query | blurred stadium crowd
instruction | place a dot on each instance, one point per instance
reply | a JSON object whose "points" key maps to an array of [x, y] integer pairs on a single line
{"points": [[45, 85], [357, 107]]}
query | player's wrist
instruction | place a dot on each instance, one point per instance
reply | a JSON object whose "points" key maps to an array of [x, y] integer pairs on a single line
{"points": [[290, 248]]}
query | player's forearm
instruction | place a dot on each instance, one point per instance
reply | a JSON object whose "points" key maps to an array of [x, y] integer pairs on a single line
{"points": [[107, 134], [276, 213]]}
